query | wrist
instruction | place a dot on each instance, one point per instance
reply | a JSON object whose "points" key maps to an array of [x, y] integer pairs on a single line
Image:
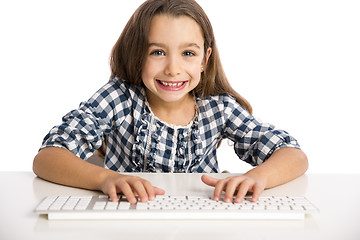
{"points": [[256, 174], [103, 176]]}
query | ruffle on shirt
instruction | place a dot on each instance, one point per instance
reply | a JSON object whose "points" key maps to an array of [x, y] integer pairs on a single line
{"points": [[186, 154], [187, 161], [140, 143], [196, 138], [154, 150], [182, 144]]}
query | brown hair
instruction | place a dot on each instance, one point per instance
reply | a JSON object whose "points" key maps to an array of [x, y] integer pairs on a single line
{"points": [[128, 54]]}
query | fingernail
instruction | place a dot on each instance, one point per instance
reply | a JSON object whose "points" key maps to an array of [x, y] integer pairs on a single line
{"points": [[227, 199], [216, 198], [238, 200]]}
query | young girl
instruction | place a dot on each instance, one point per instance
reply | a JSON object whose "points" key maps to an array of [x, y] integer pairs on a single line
{"points": [[166, 108]]}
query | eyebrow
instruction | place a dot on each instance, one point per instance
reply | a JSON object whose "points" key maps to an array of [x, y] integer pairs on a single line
{"points": [[185, 45]]}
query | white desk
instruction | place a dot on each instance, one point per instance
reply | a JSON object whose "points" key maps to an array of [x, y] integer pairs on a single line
{"points": [[22, 191]]}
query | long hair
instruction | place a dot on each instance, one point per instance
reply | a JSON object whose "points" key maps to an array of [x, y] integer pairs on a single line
{"points": [[129, 53]]}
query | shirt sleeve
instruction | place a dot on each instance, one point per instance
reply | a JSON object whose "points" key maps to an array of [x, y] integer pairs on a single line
{"points": [[82, 130], [254, 141]]}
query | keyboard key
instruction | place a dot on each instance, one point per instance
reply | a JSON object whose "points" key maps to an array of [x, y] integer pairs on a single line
{"points": [[46, 203], [70, 204], [99, 206], [142, 206], [111, 205], [124, 206]]}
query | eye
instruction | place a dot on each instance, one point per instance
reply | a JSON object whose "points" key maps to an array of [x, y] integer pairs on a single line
{"points": [[158, 53], [188, 54]]}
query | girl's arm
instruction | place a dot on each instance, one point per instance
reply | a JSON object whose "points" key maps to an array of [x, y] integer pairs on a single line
{"points": [[284, 165], [62, 166], [81, 133]]}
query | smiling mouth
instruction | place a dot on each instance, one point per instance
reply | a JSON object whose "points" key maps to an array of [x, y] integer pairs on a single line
{"points": [[172, 84]]}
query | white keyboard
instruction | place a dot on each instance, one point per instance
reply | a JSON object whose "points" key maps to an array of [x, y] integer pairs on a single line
{"points": [[174, 207]]}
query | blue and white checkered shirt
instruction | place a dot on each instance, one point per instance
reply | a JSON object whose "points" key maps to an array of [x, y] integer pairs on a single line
{"points": [[136, 140]]}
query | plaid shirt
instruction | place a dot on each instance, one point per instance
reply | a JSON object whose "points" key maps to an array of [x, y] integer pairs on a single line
{"points": [[136, 140]]}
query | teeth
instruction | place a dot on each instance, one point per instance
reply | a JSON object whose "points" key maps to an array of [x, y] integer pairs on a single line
{"points": [[168, 84]]}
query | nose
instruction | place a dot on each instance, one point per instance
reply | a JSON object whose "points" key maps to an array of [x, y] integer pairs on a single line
{"points": [[173, 67]]}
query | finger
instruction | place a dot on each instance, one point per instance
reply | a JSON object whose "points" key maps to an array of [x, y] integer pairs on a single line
{"points": [[113, 194], [210, 181], [127, 191], [243, 189], [219, 187], [231, 187], [138, 187], [159, 191], [150, 190], [257, 190]]}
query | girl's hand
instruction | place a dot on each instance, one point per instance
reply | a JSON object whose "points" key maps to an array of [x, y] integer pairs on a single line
{"points": [[240, 184], [130, 186]]}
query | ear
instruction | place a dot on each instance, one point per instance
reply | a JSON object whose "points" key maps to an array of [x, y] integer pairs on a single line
{"points": [[206, 57]]}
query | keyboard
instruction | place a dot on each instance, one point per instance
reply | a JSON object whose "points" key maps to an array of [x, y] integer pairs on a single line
{"points": [[99, 207]]}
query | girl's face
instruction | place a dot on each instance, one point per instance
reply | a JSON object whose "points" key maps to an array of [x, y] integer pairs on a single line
{"points": [[175, 59]]}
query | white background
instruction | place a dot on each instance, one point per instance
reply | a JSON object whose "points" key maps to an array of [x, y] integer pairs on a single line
{"points": [[297, 62]]}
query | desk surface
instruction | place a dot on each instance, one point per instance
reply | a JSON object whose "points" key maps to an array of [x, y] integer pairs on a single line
{"points": [[337, 196]]}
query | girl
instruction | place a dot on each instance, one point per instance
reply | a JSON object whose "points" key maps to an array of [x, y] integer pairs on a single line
{"points": [[166, 108]]}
